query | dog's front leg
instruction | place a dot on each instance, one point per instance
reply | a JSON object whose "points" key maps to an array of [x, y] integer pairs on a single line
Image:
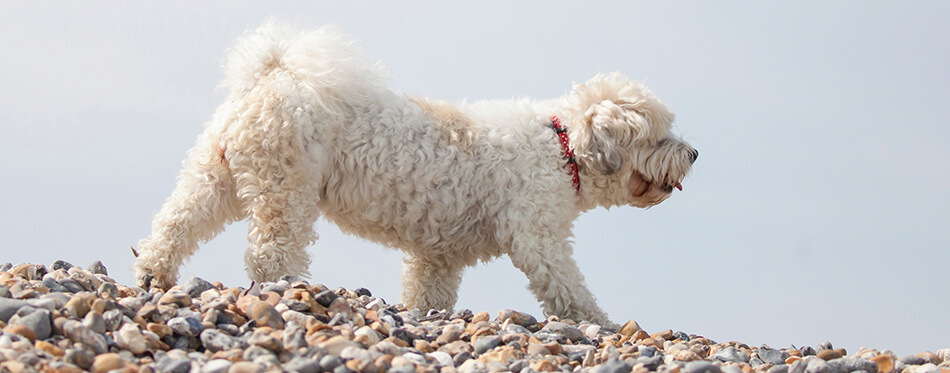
{"points": [[430, 283], [555, 279]]}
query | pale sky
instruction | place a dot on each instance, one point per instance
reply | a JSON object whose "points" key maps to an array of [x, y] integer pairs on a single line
{"points": [[818, 210]]}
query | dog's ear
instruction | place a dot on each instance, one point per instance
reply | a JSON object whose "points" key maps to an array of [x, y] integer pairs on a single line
{"points": [[610, 112], [598, 134]]}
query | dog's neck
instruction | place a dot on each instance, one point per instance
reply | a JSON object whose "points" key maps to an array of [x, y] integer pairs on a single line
{"points": [[566, 152]]}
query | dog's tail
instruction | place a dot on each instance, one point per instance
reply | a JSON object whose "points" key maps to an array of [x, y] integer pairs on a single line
{"points": [[323, 65]]}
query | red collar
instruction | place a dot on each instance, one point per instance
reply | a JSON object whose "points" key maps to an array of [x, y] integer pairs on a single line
{"points": [[566, 151]]}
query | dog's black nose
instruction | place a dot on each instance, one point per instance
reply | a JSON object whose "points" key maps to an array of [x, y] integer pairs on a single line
{"points": [[693, 155]]}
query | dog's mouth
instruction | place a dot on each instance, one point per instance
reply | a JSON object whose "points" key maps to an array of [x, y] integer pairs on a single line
{"points": [[641, 185]]}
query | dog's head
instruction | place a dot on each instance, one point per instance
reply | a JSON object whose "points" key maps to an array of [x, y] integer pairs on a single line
{"points": [[623, 142]]}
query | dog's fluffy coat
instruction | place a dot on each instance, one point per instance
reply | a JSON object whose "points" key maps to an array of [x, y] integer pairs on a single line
{"points": [[310, 129]]}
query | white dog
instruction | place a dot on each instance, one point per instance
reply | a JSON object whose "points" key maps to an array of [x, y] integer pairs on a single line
{"points": [[310, 129]]}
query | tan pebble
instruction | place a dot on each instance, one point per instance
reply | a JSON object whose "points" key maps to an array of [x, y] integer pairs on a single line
{"points": [[21, 330], [49, 348], [884, 363], [12, 366], [271, 297], [641, 335], [98, 306], [383, 363], [161, 330], [501, 355], [554, 347], [232, 355], [647, 342], [479, 317], [106, 362], [354, 365], [265, 315], [828, 355], [686, 355], [336, 344], [930, 357], [422, 345], [630, 328], [544, 366], [794, 352], [396, 341], [175, 297], [665, 335], [792, 359], [246, 367], [536, 349], [381, 327]]}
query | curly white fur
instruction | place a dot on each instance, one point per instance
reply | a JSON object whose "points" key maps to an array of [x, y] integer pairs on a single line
{"points": [[310, 128]]}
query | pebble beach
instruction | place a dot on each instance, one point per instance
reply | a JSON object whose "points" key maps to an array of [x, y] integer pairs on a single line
{"points": [[67, 318]]}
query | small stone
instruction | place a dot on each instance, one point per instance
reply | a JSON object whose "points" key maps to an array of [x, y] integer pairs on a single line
{"points": [[772, 356], [686, 355], [336, 344], [480, 317], [49, 348], [22, 331], [701, 367], [79, 357], [186, 326], [828, 355], [94, 322], [195, 286], [572, 333], [518, 318], [472, 366], [544, 366], [913, 360], [728, 355], [130, 338], [325, 298], [501, 355], [302, 365], [106, 362], [464, 314], [486, 343], [246, 367], [38, 321], [98, 268], [215, 340], [216, 366], [176, 298], [108, 289], [846, 364], [613, 366], [818, 366], [173, 365], [265, 315]]}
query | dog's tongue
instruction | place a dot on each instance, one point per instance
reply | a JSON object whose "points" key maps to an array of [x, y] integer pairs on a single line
{"points": [[679, 186]]}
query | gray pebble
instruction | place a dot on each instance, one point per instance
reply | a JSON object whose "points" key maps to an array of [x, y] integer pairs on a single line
{"points": [[571, 332], [818, 366], [701, 366], [5, 267], [461, 357], [730, 355], [613, 365], [325, 298], [254, 352], [186, 326], [303, 365], [39, 321], [772, 356], [330, 362], [98, 268], [913, 360], [486, 343], [807, 351], [108, 289], [60, 264], [847, 364], [195, 286], [94, 322], [214, 341], [172, 365], [71, 285], [216, 366], [53, 285], [782, 368], [79, 357]]}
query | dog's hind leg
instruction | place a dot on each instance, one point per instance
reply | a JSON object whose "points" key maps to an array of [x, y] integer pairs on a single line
{"points": [[430, 284], [204, 200], [277, 180]]}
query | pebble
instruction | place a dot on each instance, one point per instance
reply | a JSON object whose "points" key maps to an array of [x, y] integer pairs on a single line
{"points": [[72, 319]]}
